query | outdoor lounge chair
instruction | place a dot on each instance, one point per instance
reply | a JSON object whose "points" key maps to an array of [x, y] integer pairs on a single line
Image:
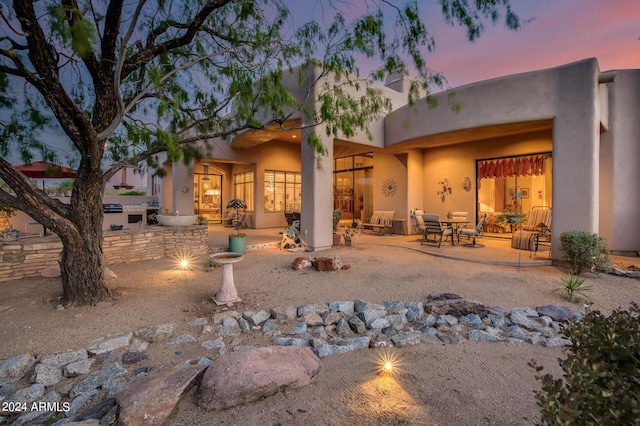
{"points": [[538, 222], [472, 234], [435, 228], [416, 221]]}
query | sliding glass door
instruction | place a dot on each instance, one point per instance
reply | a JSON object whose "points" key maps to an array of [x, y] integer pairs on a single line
{"points": [[512, 185]]}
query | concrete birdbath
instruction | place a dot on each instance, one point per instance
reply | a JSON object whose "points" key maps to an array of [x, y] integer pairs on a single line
{"points": [[227, 293]]}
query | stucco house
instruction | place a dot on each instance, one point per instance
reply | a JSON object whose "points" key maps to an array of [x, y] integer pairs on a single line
{"points": [[573, 131]]}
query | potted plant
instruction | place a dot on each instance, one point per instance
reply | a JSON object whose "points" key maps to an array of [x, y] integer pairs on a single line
{"points": [[337, 238], [237, 241], [512, 216]]}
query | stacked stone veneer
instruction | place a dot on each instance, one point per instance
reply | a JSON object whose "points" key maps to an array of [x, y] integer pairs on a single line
{"points": [[25, 258]]}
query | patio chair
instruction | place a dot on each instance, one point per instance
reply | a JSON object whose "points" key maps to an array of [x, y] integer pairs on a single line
{"points": [[538, 222], [229, 218], [472, 234], [433, 227], [416, 221], [460, 215], [238, 221]]}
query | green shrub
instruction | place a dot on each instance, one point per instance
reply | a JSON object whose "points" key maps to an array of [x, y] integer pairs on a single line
{"points": [[134, 192], [601, 373], [584, 250]]}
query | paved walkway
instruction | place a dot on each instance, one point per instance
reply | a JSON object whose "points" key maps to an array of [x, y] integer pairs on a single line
{"points": [[495, 251]]}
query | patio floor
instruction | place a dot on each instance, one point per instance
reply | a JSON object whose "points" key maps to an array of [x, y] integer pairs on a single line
{"points": [[495, 251]]}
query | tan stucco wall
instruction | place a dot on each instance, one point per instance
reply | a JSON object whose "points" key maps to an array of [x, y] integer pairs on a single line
{"points": [[455, 162], [620, 171], [392, 169]]}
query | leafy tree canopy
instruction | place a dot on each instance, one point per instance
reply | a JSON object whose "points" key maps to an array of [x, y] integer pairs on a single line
{"points": [[126, 80]]}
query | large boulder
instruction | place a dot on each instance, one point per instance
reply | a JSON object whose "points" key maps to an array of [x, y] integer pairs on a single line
{"points": [[151, 399], [242, 377], [448, 305]]}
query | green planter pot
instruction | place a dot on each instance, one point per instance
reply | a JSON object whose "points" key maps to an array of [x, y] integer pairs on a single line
{"points": [[237, 244]]}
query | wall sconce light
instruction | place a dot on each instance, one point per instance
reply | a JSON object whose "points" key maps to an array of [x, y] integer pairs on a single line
{"points": [[466, 184], [205, 166], [185, 190]]}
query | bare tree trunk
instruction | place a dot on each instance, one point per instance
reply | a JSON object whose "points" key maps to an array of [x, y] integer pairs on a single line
{"points": [[82, 262], [82, 270]]}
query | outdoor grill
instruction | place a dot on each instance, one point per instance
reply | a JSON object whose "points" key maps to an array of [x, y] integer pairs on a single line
{"points": [[112, 208]]}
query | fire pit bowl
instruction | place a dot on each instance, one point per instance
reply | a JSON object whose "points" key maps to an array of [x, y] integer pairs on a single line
{"points": [[176, 219]]}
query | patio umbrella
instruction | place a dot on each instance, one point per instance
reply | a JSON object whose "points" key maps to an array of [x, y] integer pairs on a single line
{"points": [[43, 170], [237, 203]]}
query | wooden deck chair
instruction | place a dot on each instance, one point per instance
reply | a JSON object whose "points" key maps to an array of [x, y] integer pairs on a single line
{"points": [[229, 218], [239, 221], [433, 227]]}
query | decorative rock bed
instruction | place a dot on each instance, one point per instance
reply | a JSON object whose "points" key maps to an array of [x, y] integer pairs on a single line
{"points": [[108, 368]]}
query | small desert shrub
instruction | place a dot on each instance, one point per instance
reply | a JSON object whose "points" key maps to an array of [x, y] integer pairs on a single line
{"points": [[584, 250], [601, 373], [572, 286]]}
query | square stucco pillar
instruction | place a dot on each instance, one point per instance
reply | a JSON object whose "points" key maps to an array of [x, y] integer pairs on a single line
{"points": [[576, 147], [316, 218], [182, 188]]}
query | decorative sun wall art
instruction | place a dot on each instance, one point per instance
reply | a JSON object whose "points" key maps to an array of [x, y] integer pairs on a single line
{"points": [[389, 188]]}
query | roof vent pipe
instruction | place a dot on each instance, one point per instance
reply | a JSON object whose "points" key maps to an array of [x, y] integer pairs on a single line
{"points": [[607, 77]]}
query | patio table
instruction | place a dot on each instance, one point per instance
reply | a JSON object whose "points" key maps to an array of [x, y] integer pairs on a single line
{"points": [[454, 224]]}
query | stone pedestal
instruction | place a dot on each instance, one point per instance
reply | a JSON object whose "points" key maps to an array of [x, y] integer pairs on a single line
{"points": [[227, 293]]}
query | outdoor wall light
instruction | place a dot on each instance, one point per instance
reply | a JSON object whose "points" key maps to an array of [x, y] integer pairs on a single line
{"points": [[185, 190], [466, 184], [205, 166]]}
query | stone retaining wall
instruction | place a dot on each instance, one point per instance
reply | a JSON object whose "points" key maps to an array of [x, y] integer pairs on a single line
{"points": [[23, 258]]}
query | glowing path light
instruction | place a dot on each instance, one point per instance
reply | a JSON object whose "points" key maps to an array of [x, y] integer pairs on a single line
{"points": [[388, 363], [183, 262]]}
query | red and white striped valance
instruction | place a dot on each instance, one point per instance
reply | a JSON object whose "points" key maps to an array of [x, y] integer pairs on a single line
{"points": [[532, 165]]}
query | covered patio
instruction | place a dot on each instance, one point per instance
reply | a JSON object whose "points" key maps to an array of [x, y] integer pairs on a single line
{"points": [[495, 251]]}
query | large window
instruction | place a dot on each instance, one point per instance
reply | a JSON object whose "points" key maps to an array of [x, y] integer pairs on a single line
{"points": [[243, 188], [352, 190], [282, 191]]}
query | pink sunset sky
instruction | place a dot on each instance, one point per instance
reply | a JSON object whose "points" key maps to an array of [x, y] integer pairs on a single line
{"points": [[554, 33], [559, 32]]}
